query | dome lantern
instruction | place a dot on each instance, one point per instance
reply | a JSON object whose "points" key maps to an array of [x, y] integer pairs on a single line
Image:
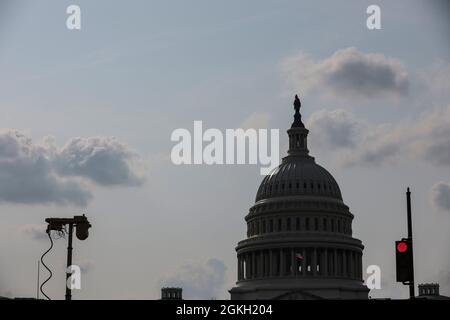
{"points": [[298, 134]]}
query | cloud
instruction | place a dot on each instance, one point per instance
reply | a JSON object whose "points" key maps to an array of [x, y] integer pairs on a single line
{"points": [[257, 120], [104, 161], [199, 281], [35, 231], [27, 176], [425, 137], [44, 174], [336, 128], [440, 196], [436, 78], [348, 73]]}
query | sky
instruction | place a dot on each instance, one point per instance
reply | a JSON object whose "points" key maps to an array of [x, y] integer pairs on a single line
{"points": [[86, 118]]}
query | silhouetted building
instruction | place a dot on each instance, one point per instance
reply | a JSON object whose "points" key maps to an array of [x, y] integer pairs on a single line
{"points": [[430, 291], [171, 294], [299, 233], [18, 298]]}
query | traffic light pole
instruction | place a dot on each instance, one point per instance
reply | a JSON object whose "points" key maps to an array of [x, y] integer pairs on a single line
{"points": [[410, 237]]}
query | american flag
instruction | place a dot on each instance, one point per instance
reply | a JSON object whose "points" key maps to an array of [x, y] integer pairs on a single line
{"points": [[299, 256]]}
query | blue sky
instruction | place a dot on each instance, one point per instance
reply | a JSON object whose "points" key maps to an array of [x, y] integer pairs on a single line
{"points": [[138, 70]]}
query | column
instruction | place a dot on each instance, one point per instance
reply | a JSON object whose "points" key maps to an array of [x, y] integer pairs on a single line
{"points": [[252, 257], [264, 259], [255, 268], [352, 264], [261, 260], [293, 262], [270, 263], [242, 267], [335, 262], [245, 266], [359, 265], [344, 263], [325, 262], [304, 262], [249, 265], [256, 264], [239, 267], [282, 262], [314, 262]]}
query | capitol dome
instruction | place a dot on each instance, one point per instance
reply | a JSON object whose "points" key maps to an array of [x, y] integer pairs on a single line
{"points": [[298, 176], [299, 241]]}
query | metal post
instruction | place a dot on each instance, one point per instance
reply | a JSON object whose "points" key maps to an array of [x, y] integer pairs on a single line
{"points": [[69, 262], [38, 278], [410, 237]]}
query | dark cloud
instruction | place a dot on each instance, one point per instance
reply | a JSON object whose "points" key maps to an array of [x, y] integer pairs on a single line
{"points": [[104, 161], [42, 174], [348, 73], [440, 196], [27, 176], [199, 281]]}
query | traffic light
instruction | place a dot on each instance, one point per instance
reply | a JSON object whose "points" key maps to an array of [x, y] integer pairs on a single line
{"points": [[404, 260]]}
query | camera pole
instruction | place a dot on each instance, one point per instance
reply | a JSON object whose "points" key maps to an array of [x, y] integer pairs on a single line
{"points": [[69, 262]]}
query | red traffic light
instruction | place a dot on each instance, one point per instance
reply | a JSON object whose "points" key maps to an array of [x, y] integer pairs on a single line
{"points": [[402, 247], [404, 260]]}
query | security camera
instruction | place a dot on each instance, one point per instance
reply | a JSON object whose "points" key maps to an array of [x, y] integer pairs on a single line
{"points": [[82, 225]]}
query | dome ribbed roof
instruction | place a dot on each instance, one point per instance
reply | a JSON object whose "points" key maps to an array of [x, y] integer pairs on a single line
{"points": [[298, 176]]}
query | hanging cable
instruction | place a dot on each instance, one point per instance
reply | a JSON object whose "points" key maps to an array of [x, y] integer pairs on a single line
{"points": [[43, 263]]}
